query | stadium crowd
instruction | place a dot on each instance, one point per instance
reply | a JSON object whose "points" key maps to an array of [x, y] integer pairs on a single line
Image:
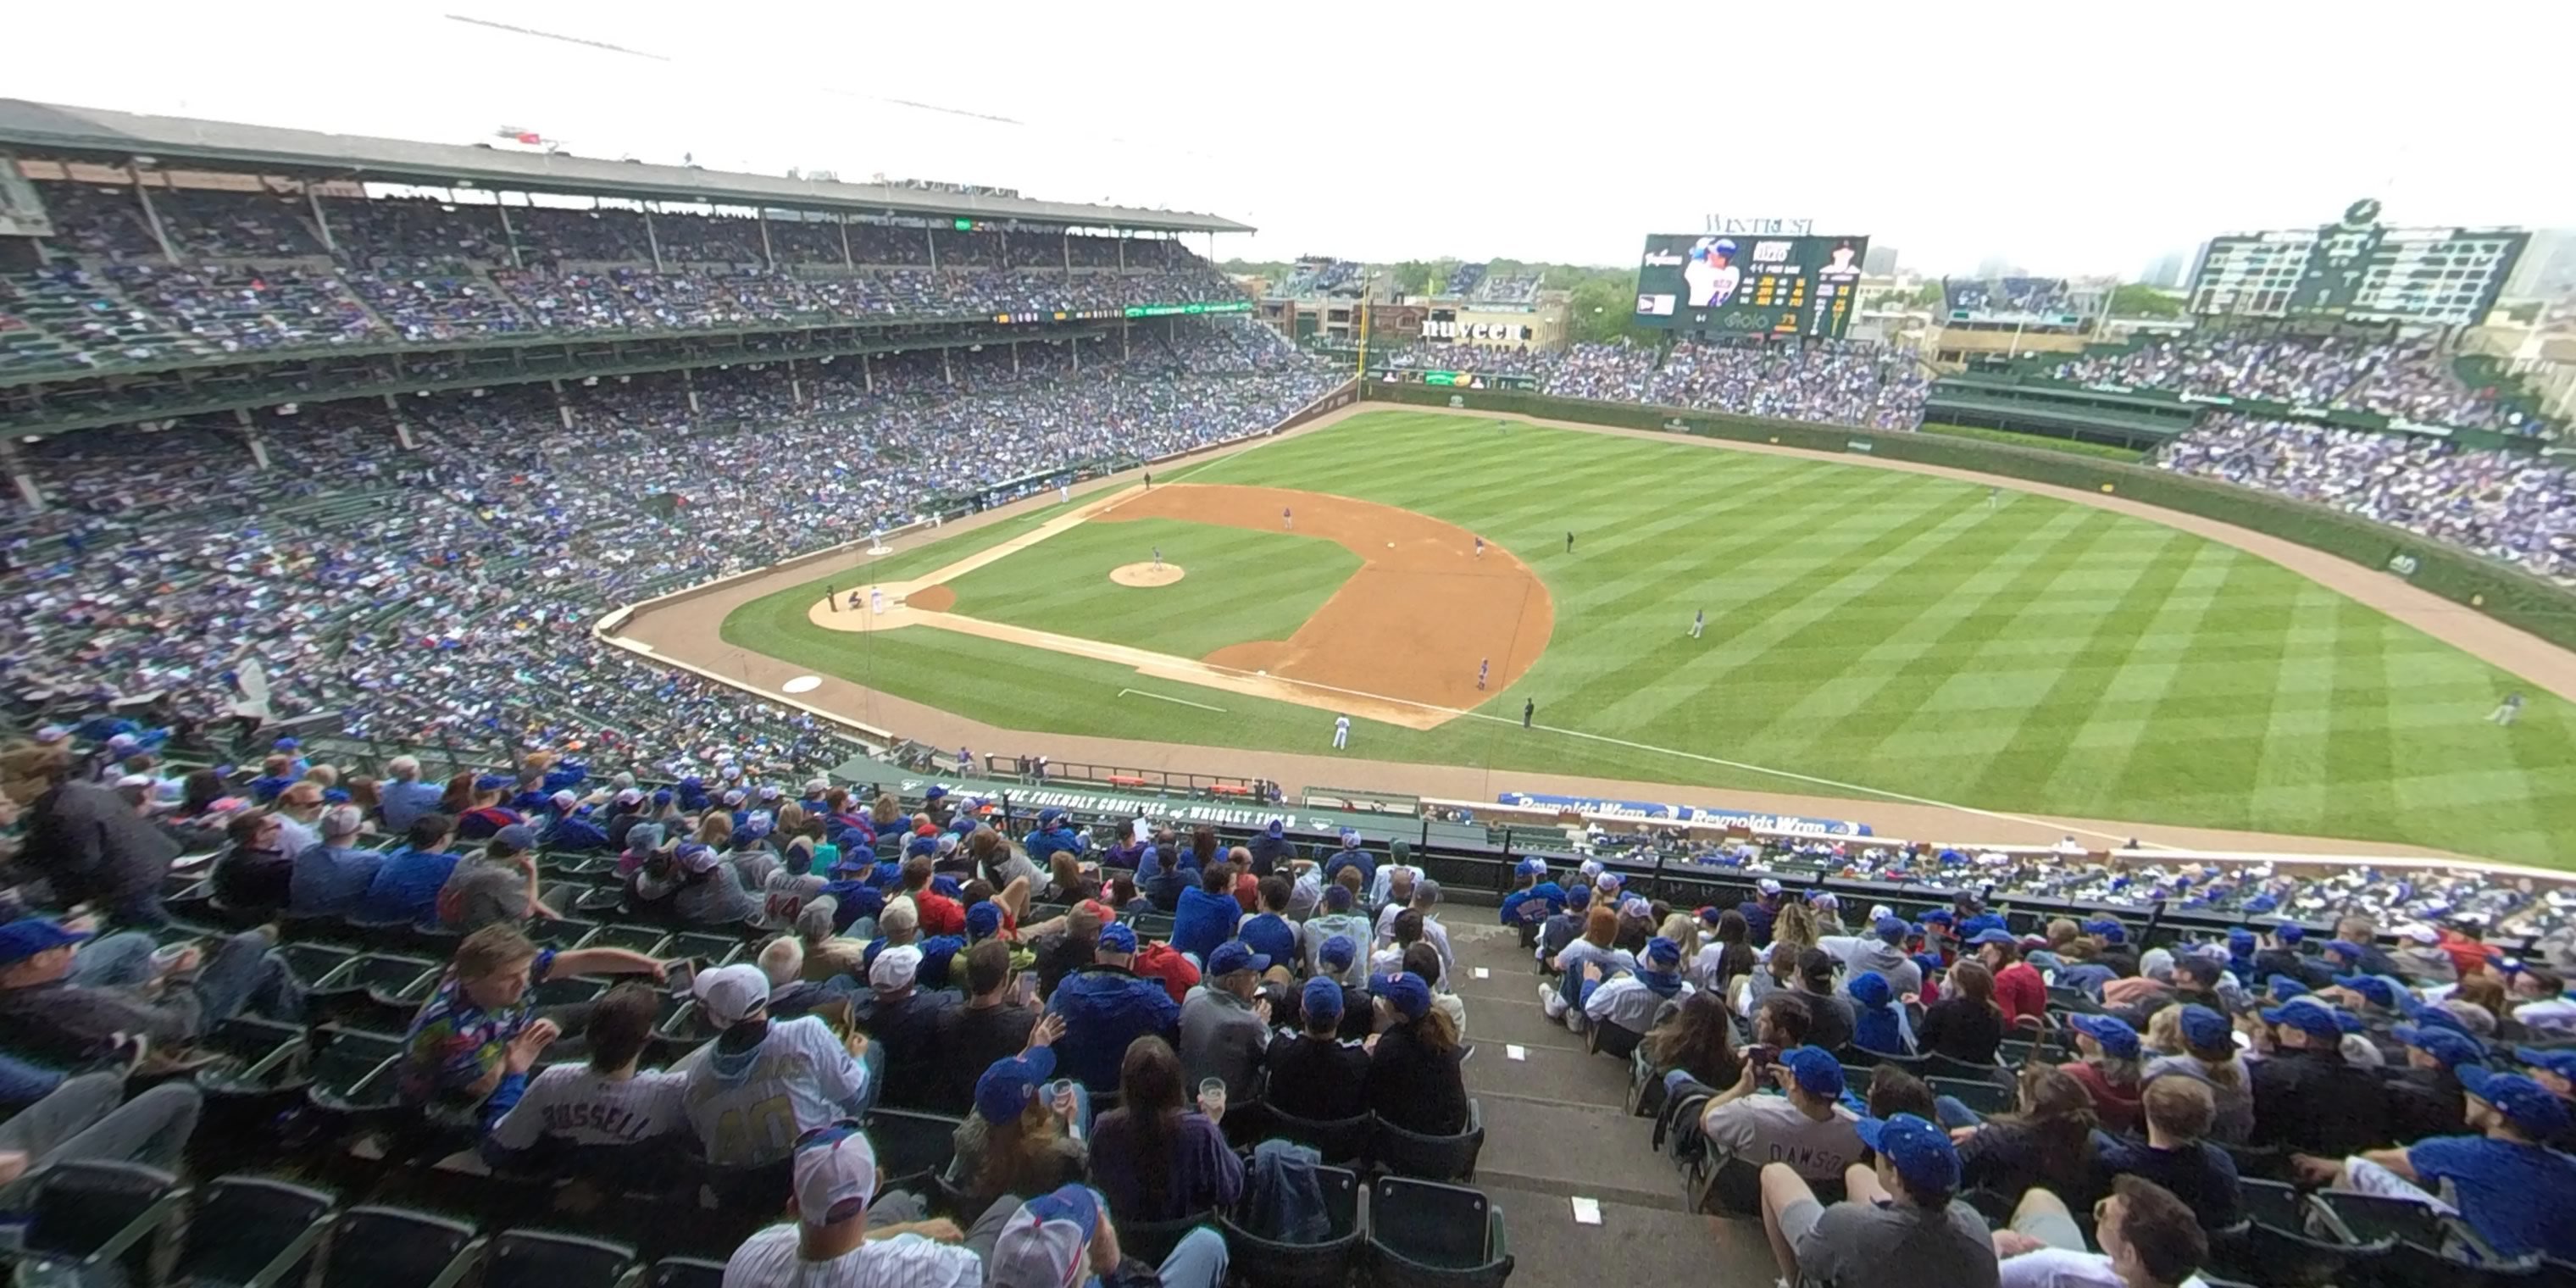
{"points": [[2401, 378], [446, 594], [1827, 382], [2517, 508]]}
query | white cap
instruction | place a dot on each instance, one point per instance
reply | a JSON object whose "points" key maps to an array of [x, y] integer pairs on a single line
{"points": [[836, 1175], [2419, 933], [1767, 886], [731, 994], [895, 968]]}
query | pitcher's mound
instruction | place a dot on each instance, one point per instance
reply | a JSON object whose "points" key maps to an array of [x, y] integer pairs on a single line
{"points": [[1146, 574]]}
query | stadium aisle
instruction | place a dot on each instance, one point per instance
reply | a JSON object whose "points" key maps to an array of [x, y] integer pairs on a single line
{"points": [[1557, 1128]]}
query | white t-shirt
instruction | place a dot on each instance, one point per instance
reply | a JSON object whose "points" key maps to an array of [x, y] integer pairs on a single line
{"points": [[2057, 1268], [571, 1102], [749, 1108], [768, 1260], [1764, 1128], [1628, 1003]]}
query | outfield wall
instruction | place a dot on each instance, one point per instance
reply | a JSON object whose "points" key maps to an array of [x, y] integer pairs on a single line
{"points": [[2505, 593]]}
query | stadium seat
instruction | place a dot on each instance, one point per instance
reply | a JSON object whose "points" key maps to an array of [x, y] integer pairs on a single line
{"points": [[546, 1259], [685, 1272], [1324, 1263], [1984, 1096], [1430, 1158], [252, 1232], [2288, 1240], [1611, 1040], [911, 1147], [387, 1247], [1151, 1241], [352, 1072], [90, 1215], [1937, 1065], [632, 938], [1731, 1186], [1339, 1141], [1426, 1235]]}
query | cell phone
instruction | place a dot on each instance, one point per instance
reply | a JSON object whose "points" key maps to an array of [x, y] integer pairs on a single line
{"points": [[681, 975], [1028, 988], [1762, 1054]]}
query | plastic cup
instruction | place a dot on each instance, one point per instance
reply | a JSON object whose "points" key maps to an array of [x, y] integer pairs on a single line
{"points": [[1212, 1097]]}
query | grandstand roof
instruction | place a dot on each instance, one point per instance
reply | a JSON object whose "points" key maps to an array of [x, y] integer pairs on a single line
{"points": [[98, 134]]}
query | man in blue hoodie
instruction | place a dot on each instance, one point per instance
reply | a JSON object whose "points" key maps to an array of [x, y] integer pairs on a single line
{"points": [[1537, 899], [1107, 1006], [1207, 914], [1351, 855], [1052, 834]]}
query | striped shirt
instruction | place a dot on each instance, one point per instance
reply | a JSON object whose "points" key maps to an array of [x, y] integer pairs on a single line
{"points": [[571, 1103], [748, 1107], [768, 1260]]}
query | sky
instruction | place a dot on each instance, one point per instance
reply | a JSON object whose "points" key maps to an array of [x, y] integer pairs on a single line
{"points": [[2063, 138]]}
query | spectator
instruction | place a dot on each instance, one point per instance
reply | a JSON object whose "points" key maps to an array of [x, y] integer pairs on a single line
{"points": [[254, 872], [1061, 1237], [1025, 1136], [497, 887], [2542, 1004], [2424, 1096], [330, 877], [2106, 1063], [1697, 1041], [2150, 1239], [764, 1083], [1879, 1021], [1225, 1025], [67, 999], [905, 1022], [1270, 933], [472, 1043], [1337, 920], [1316, 1073], [2048, 1142], [836, 1241], [1831, 1017], [1207, 913], [1414, 1080], [2175, 1155], [406, 886], [1106, 1008], [993, 1023], [1902, 1213], [1965, 1025], [298, 808], [1807, 1127], [2205, 1051], [1156, 1159], [591, 1118], [88, 1119], [2307, 1097], [406, 797], [2019, 991], [1881, 950], [2508, 1186], [92, 848]]}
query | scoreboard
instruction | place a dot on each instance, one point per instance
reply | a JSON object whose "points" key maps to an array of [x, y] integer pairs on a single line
{"points": [[1750, 284]]}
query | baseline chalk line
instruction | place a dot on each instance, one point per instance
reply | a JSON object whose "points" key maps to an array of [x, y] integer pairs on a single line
{"points": [[1168, 698]]}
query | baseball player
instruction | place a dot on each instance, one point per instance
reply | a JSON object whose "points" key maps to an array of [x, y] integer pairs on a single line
{"points": [[1569, 543], [854, 601], [1483, 668], [1529, 711], [1711, 274], [1341, 732], [1064, 493], [1699, 622], [2507, 711], [1994, 498], [831, 597], [1158, 558], [965, 760], [876, 600], [1480, 547], [1287, 519]]}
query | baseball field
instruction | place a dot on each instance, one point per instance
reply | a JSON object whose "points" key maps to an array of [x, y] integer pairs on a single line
{"points": [[1868, 632]]}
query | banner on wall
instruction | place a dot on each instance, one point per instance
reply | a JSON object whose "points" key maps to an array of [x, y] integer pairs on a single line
{"points": [[1701, 814]]}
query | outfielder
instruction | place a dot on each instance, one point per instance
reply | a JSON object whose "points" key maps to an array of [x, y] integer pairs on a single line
{"points": [[2507, 711], [1699, 622], [1341, 732], [1286, 519]]}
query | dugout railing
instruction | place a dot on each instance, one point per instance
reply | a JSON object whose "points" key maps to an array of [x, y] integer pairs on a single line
{"points": [[2499, 590]]}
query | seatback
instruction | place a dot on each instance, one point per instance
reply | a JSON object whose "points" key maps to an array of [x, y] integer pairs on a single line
{"points": [[545, 1259], [1442, 1226], [243, 1223], [79, 1206], [685, 1272], [384, 1247]]}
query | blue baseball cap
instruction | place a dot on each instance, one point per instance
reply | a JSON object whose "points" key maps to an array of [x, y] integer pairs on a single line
{"points": [[2530, 1105], [1118, 937], [1938, 916], [934, 792], [1048, 816], [1532, 867], [1404, 991], [1337, 899], [2117, 1038], [28, 936], [1578, 897], [2345, 947], [2283, 988], [493, 782], [1920, 1151], [1991, 936], [2378, 988], [2435, 1015], [1338, 952], [1983, 924], [1663, 952], [2204, 1029], [1350, 838], [1322, 997], [2240, 940], [2450, 1046], [1234, 955], [2289, 932], [1870, 989], [1891, 928], [1815, 1070], [984, 920], [2561, 1062], [1003, 1090], [2309, 1016], [517, 838], [1276, 828]]}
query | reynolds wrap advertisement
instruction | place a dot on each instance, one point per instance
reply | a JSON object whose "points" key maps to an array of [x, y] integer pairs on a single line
{"points": [[1700, 814]]}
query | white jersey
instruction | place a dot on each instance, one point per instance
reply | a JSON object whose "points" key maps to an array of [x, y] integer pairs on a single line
{"points": [[1341, 724], [783, 894], [749, 1107], [2065, 1268], [768, 1260], [1628, 1003], [571, 1103]]}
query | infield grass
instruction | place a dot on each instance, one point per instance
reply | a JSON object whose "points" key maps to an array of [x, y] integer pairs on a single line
{"points": [[1237, 584], [1876, 628]]}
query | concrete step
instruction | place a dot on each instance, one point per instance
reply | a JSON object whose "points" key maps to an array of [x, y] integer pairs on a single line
{"points": [[1565, 1150], [1634, 1244], [1549, 1074]]}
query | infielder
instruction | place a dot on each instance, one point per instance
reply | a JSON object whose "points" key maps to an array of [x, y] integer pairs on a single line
{"points": [[1064, 493], [2507, 711], [1699, 622], [1287, 520], [831, 597], [1483, 667], [1480, 547], [1158, 558], [876, 600], [1341, 732], [1569, 543]]}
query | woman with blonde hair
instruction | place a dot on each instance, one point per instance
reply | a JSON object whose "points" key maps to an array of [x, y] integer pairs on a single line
{"points": [[715, 830], [1683, 929]]}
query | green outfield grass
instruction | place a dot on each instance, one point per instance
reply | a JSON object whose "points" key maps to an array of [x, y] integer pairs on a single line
{"points": [[1238, 584], [1876, 628]]}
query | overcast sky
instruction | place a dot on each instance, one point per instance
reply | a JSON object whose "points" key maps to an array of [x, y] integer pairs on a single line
{"points": [[2067, 138]]}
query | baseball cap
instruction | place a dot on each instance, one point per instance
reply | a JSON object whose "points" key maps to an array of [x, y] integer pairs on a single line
{"points": [[1920, 1151], [1814, 1069], [2204, 1029], [1406, 992], [1589, 868], [1337, 899], [1991, 935], [28, 936], [2430, 1015], [1118, 937], [1047, 817], [1048, 1241], [2240, 940], [732, 994], [492, 782], [2419, 933], [1338, 952], [1663, 952], [1532, 867], [1767, 886], [1869, 988], [1939, 916], [836, 1174], [1234, 955], [2289, 932], [517, 838], [696, 856], [2283, 988], [769, 791], [2114, 1033], [1984, 924], [564, 799], [1824, 899], [984, 920], [934, 792], [2308, 1015], [2450, 1046], [1003, 1090], [895, 968], [1636, 905], [1322, 997], [2560, 1062], [52, 733], [2527, 1103], [1578, 897], [1350, 838], [2378, 988], [1611, 883], [1891, 928], [2344, 946], [631, 796]]}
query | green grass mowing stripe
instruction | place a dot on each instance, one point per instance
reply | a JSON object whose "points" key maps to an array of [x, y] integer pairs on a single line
{"points": [[1241, 584], [2358, 738], [2196, 760], [2289, 780], [2097, 755]]}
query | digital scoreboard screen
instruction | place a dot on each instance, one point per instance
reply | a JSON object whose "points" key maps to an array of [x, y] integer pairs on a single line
{"points": [[1750, 284]]}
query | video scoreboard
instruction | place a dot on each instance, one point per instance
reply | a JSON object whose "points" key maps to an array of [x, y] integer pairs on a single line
{"points": [[1750, 284]]}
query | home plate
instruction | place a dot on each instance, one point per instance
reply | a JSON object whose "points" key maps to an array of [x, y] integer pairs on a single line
{"points": [[1390, 545], [802, 684]]}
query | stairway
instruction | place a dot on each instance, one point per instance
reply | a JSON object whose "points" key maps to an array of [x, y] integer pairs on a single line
{"points": [[1557, 1128]]}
